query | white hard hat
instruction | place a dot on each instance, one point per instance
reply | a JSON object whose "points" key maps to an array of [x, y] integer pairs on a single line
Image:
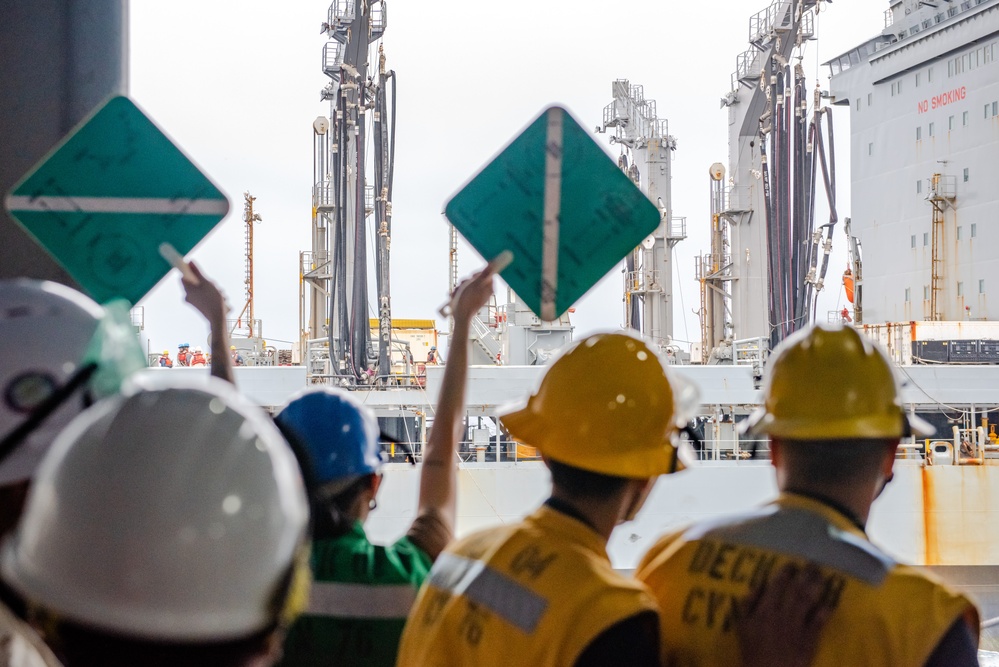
{"points": [[173, 512], [45, 329], [198, 350]]}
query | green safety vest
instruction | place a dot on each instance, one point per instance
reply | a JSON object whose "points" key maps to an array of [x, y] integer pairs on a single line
{"points": [[360, 597]]}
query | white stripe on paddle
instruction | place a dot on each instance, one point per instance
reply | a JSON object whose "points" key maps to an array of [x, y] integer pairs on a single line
{"points": [[553, 204], [118, 205]]}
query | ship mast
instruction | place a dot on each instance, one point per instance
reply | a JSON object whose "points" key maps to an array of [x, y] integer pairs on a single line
{"points": [[775, 154], [648, 274], [249, 217], [349, 186]]}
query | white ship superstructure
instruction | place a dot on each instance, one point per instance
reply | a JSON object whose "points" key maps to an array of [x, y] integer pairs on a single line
{"points": [[924, 110]]}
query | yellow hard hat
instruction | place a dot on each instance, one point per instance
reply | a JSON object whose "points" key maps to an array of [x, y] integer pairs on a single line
{"points": [[829, 382], [232, 347], [166, 353], [606, 405]]}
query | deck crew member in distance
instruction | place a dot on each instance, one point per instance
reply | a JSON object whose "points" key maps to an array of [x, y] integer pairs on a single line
{"points": [[362, 592], [834, 418]]}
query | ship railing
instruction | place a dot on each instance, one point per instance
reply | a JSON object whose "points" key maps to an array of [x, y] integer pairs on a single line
{"points": [[711, 265], [750, 352], [637, 93], [505, 451], [837, 317], [643, 281], [378, 19], [761, 24], [414, 379], [340, 16], [323, 195], [611, 116], [369, 199], [661, 127], [778, 17], [942, 187], [738, 198], [715, 447], [332, 59], [748, 66], [677, 228]]}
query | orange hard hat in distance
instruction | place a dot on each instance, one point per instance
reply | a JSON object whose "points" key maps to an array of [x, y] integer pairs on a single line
{"points": [[607, 405], [830, 382]]}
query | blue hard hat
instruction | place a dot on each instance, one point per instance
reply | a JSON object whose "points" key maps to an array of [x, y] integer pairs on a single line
{"points": [[337, 435], [184, 345]]}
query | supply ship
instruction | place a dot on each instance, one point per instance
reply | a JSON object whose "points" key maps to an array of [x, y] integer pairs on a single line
{"points": [[923, 103]]}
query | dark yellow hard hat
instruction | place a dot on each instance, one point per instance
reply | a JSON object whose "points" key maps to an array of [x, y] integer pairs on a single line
{"points": [[829, 382], [606, 405]]}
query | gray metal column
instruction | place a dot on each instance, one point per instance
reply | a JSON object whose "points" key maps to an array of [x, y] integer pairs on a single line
{"points": [[58, 60]]}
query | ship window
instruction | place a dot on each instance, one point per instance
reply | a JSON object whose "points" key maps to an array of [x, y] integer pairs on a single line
{"points": [[919, 190], [858, 104], [908, 294], [995, 108], [926, 239], [917, 79], [870, 99], [964, 119], [926, 292], [919, 133], [959, 232], [960, 288], [981, 286], [912, 241], [987, 110], [973, 59], [950, 123], [974, 229], [929, 75], [930, 132], [965, 62], [870, 149], [950, 68], [965, 174]]}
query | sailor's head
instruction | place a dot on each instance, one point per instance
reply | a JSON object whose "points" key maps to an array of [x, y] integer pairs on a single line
{"points": [[605, 418]]}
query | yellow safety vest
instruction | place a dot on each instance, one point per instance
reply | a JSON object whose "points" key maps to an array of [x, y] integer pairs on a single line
{"points": [[534, 593], [886, 614]]}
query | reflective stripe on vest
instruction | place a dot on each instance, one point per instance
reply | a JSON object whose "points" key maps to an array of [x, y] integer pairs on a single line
{"points": [[803, 534], [338, 600], [472, 579]]}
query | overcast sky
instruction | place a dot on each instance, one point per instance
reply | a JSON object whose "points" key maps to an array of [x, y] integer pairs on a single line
{"points": [[236, 85]]}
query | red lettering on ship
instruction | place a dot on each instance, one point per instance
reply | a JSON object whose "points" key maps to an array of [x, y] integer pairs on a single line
{"points": [[943, 99]]}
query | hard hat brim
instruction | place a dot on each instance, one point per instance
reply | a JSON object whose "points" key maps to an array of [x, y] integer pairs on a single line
{"points": [[761, 422], [527, 427]]}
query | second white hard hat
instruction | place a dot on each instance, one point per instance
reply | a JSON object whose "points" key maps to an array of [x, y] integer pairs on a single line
{"points": [[173, 512], [45, 329]]}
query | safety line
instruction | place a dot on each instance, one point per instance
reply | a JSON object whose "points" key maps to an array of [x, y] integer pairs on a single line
{"points": [[178, 206]]}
